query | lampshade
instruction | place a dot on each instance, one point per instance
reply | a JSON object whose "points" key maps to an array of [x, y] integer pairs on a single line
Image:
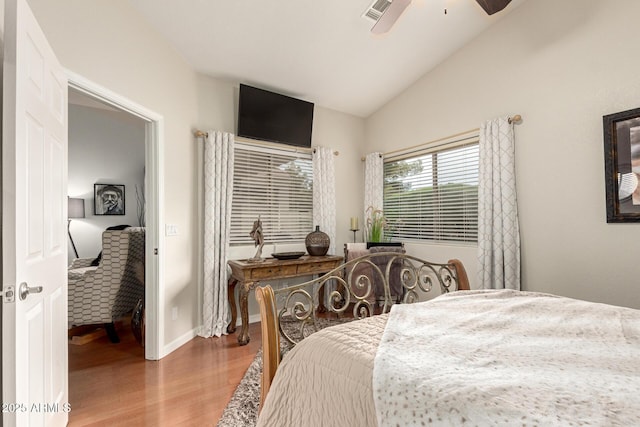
{"points": [[75, 208]]}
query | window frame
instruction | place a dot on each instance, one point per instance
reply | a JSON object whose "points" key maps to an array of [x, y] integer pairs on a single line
{"points": [[441, 227], [266, 201]]}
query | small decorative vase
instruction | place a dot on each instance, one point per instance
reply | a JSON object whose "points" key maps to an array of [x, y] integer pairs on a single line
{"points": [[317, 242], [137, 322]]}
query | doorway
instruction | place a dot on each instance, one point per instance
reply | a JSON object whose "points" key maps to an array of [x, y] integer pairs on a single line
{"points": [[92, 94]]}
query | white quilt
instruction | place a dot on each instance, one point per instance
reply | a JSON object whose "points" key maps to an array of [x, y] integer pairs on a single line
{"points": [[506, 358]]}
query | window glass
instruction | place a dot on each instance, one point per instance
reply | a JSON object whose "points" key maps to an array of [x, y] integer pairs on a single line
{"points": [[278, 186], [433, 195]]}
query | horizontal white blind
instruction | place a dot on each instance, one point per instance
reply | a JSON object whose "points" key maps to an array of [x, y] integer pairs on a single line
{"points": [[275, 184], [433, 195]]}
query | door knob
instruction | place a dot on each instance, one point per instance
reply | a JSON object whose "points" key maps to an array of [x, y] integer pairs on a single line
{"points": [[25, 290]]}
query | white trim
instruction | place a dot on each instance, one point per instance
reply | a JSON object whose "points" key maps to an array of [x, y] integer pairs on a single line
{"points": [[179, 342], [279, 149], [154, 188], [275, 145], [471, 138], [200, 216], [254, 318], [154, 295]]}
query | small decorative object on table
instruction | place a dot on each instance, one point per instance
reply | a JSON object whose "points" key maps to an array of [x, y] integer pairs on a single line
{"points": [[287, 255], [317, 242], [354, 227], [256, 235]]}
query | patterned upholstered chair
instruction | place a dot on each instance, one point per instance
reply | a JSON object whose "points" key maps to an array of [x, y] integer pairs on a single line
{"points": [[104, 293]]}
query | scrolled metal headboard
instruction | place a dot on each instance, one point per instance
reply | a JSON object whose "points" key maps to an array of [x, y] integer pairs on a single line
{"points": [[361, 287]]}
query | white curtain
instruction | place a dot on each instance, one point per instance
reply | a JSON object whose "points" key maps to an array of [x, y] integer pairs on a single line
{"points": [[218, 190], [324, 193], [373, 179], [498, 230]]}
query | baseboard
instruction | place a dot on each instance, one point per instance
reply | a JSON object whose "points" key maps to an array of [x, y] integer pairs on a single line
{"points": [[254, 318], [185, 338], [178, 342]]}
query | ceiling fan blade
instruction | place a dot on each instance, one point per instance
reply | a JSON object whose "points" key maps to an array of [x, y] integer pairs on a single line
{"points": [[493, 6], [390, 16]]}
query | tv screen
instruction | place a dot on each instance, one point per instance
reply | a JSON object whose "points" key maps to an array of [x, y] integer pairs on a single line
{"points": [[269, 116]]}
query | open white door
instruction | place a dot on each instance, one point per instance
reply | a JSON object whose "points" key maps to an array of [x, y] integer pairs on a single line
{"points": [[34, 246]]}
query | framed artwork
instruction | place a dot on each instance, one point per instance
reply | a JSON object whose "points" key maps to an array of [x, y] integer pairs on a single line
{"points": [[108, 199], [622, 165]]}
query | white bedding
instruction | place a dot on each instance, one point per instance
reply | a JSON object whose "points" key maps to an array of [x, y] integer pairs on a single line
{"points": [[508, 358], [488, 357]]}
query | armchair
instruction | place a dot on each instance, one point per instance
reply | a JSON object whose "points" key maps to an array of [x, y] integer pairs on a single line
{"points": [[104, 293]]}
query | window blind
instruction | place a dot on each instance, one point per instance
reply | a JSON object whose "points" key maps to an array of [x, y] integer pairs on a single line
{"points": [[275, 184], [432, 194]]}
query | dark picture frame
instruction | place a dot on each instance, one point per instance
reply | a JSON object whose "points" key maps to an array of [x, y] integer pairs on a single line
{"points": [[108, 199], [621, 157]]}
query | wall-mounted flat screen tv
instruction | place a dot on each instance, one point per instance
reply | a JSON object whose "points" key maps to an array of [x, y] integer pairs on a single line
{"points": [[270, 116]]}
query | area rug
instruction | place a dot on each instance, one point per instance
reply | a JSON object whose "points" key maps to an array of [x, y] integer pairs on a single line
{"points": [[242, 409]]}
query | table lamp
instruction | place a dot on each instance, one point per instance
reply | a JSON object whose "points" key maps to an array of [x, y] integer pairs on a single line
{"points": [[75, 209]]}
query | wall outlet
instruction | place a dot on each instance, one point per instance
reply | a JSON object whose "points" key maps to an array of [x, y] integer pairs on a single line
{"points": [[174, 313]]}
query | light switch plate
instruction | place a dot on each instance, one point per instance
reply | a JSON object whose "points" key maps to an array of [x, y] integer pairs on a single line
{"points": [[171, 230]]}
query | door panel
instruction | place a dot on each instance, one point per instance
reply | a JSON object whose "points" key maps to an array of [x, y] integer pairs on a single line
{"points": [[34, 186]]}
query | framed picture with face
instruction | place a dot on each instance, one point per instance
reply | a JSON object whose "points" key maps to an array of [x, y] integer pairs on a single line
{"points": [[108, 199]]}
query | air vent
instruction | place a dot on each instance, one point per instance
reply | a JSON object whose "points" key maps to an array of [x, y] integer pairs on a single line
{"points": [[376, 9]]}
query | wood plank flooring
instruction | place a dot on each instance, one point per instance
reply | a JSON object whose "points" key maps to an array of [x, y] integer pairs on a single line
{"points": [[113, 385]]}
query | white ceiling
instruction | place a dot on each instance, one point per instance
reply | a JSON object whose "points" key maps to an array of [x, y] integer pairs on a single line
{"points": [[321, 51]]}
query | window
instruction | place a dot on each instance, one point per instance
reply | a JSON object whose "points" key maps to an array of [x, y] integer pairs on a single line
{"points": [[433, 194], [276, 184]]}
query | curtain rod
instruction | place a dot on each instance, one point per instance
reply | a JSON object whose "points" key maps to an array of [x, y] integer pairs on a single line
{"points": [[515, 119], [199, 134]]}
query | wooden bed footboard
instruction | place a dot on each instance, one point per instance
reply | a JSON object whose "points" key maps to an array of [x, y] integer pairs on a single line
{"points": [[359, 288]]}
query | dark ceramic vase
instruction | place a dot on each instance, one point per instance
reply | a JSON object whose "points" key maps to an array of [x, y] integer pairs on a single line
{"points": [[317, 242], [137, 322]]}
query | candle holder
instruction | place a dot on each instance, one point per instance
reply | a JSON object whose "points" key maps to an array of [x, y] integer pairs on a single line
{"points": [[354, 227]]}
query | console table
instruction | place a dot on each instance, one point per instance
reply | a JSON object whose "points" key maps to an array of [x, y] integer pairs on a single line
{"points": [[249, 274]]}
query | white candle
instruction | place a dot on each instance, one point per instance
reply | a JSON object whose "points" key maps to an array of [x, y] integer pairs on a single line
{"points": [[354, 222]]}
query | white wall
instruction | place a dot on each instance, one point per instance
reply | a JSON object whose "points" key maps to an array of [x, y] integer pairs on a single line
{"points": [[105, 147], [342, 132], [562, 66], [108, 42], [218, 104]]}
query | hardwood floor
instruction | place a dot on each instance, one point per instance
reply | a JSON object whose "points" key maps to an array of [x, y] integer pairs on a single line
{"points": [[113, 385]]}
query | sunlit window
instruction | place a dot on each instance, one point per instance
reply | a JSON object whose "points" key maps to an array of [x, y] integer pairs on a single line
{"points": [[433, 195], [275, 184]]}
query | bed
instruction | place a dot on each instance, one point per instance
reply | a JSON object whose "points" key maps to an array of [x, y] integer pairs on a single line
{"points": [[462, 358]]}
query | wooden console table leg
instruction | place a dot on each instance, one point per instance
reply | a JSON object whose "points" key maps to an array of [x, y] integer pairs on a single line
{"points": [[231, 328], [245, 289]]}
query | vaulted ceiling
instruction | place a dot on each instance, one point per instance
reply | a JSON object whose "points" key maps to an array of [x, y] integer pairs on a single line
{"points": [[319, 51]]}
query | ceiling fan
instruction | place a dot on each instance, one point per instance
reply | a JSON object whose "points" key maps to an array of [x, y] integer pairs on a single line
{"points": [[391, 10]]}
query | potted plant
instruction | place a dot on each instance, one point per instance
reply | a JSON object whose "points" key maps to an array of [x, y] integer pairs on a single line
{"points": [[378, 229], [375, 224]]}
